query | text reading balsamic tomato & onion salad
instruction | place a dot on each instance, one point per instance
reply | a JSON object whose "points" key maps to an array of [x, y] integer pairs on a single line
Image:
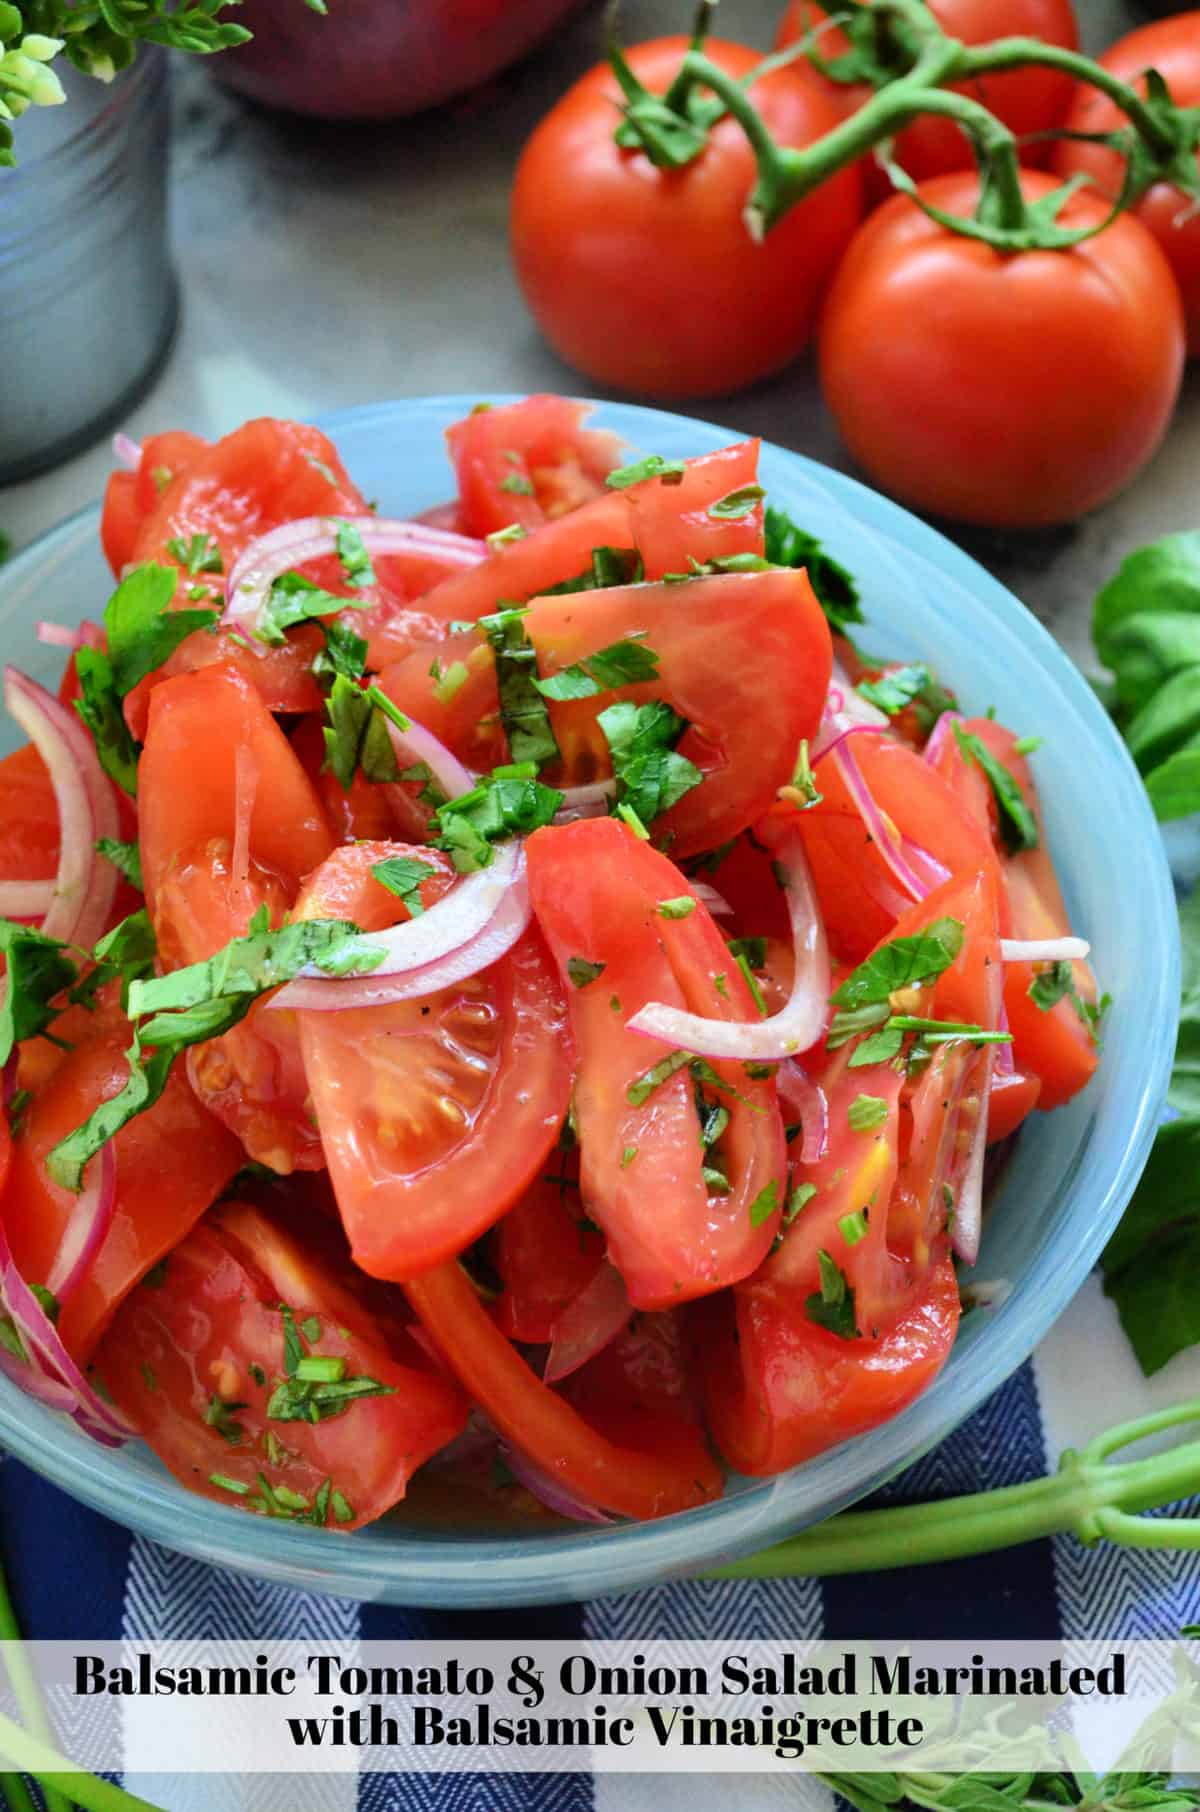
{"points": [[515, 993]]}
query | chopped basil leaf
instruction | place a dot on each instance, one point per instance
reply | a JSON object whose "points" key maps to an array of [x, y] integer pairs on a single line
{"points": [[352, 552], [628, 816], [126, 953], [651, 775], [403, 875], [345, 652], [894, 691], [902, 963], [628, 1155], [450, 681], [833, 1309], [297, 1400], [751, 980], [671, 471], [715, 1180], [713, 1117], [610, 566], [503, 804], [800, 1197], [836, 592], [753, 949], [880, 1047], [866, 1112], [516, 485], [736, 504], [356, 735], [343, 1511], [310, 1327], [38, 968], [854, 1227], [1018, 826], [581, 973], [765, 1204], [126, 858], [639, 1092], [199, 554], [680, 908], [1051, 985], [220, 1415], [502, 537], [1028, 745], [293, 1350], [624, 663], [189, 1006], [523, 714], [294, 599]]}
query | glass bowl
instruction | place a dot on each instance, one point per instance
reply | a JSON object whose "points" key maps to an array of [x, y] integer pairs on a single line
{"points": [[1058, 1201]]}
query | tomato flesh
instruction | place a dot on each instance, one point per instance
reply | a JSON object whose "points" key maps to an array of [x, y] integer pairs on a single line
{"points": [[527, 462]]}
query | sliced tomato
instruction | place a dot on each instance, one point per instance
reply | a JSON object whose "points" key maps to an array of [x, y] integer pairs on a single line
{"points": [[546, 1254], [281, 676], [171, 1162], [197, 1360], [779, 1389], [120, 519], [663, 520], [435, 1113], [361, 813], [1015, 1093], [212, 750], [654, 1476], [1055, 1045], [129, 497], [528, 462], [744, 657], [596, 890], [860, 899], [28, 818]]}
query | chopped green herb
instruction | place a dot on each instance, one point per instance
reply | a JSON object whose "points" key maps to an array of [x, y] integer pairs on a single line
{"points": [[628, 816], [680, 908], [126, 953], [125, 858], [148, 1377], [721, 984], [581, 973], [1028, 745], [198, 554], [294, 599], [50, 1305], [506, 803], [896, 689], [836, 591], [451, 682], [628, 1155], [800, 1197], [1057, 982], [403, 876], [1018, 825], [37, 969], [258, 1375], [220, 1415], [716, 1181], [614, 1001], [318, 1368], [356, 734], [352, 552], [523, 714], [765, 1204], [639, 1092], [343, 1511], [297, 1400], [866, 1112], [752, 949], [223, 1483], [902, 963], [609, 566], [504, 537], [670, 471], [751, 980], [833, 1309], [624, 663], [880, 1047], [310, 1327], [651, 775], [516, 485], [736, 504], [854, 1227]]}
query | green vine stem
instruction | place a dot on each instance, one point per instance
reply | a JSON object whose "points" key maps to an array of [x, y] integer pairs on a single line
{"points": [[1089, 1497], [1160, 142]]}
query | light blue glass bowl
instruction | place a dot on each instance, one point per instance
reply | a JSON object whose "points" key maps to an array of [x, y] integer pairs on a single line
{"points": [[1060, 1198]]}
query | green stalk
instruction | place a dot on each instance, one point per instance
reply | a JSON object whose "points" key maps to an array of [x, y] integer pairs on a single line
{"points": [[25, 1687], [1089, 1497], [38, 1759], [1021, 53]]}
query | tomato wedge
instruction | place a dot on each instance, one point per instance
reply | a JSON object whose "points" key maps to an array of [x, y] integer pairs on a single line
{"points": [[198, 1362], [528, 462], [435, 1113], [545, 1254], [596, 890], [171, 1162], [658, 1475]]}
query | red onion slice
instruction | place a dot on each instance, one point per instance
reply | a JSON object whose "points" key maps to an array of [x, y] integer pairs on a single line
{"points": [[548, 1491], [52, 1375], [940, 733], [85, 886], [469, 929], [126, 452], [419, 744], [1044, 950], [967, 1227], [925, 866], [802, 1096], [798, 1024], [91, 1218], [716, 902], [28, 900], [595, 1317], [878, 829], [589, 801], [313, 537]]}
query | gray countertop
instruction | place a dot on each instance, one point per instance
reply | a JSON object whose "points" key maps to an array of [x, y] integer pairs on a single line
{"points": [[329, 265]]}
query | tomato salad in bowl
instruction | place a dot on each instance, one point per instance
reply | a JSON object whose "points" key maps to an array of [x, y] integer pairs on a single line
{"points": [[521, 996]]}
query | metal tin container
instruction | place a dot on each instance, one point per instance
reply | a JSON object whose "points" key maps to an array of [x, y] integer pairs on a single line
{"points": [[88, 296]]}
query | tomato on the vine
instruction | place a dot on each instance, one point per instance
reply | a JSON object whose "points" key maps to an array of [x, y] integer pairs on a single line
{"points": [[1027, 101], [1005, 388], [1172, 47], [646, 278]]}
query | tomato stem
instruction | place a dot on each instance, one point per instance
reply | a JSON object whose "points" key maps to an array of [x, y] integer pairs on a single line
{"points": [[1088, 1497], [1020, 53]]}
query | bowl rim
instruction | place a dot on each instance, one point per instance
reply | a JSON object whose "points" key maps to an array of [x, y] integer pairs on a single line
{"points": [[581, 1563]]}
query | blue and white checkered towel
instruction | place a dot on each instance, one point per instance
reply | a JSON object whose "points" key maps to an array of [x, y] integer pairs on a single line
{"points": [[74, 1575]]}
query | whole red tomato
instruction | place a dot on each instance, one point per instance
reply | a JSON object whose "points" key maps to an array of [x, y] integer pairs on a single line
{"points": [[997, 387], [1172, 46], [646, 278], [1026, 100]]}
